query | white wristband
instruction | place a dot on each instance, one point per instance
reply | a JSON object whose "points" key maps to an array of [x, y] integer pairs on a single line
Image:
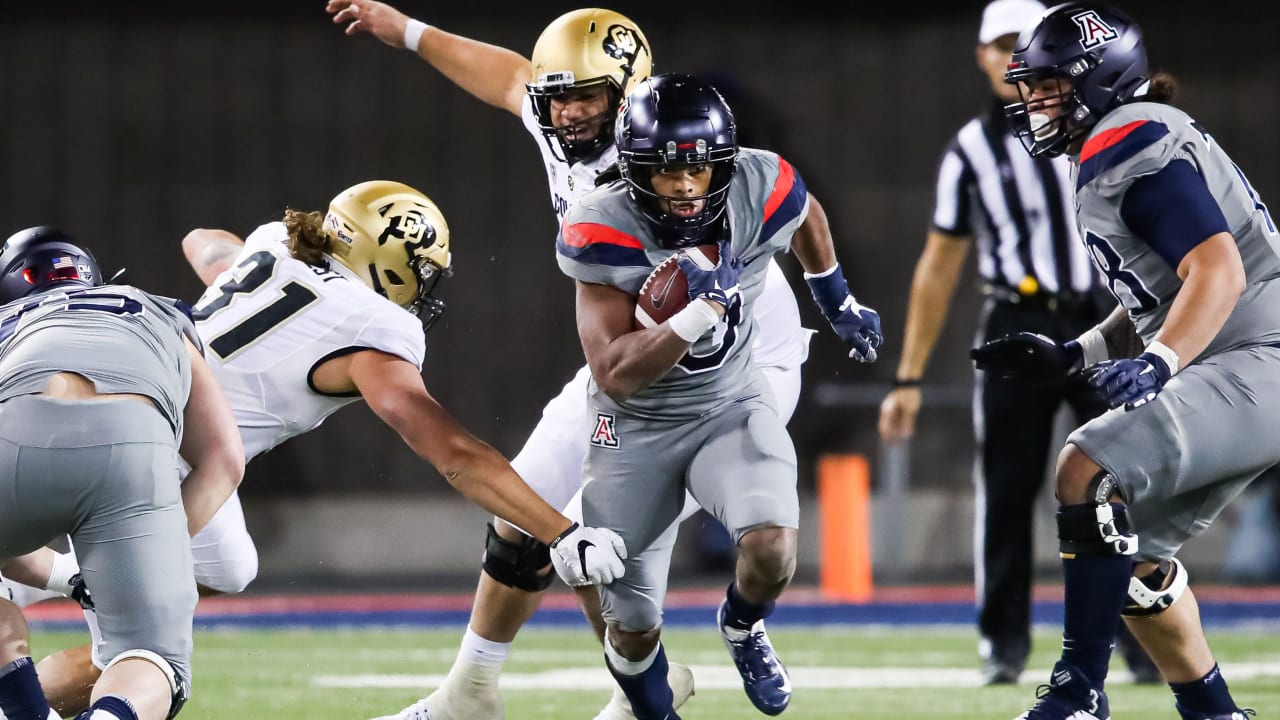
{"points": [[64, 568], [1165, 353], [694, 320], [413, 33], [1093, 347]]}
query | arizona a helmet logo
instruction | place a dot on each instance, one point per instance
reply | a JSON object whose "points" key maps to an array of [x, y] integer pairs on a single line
{"points": [[1094, 31]]}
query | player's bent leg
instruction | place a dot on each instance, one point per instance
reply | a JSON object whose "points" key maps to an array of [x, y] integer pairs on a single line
{"points": [[1097, 547], [766, 562], [638, 663], [1163, 614], [68, 677], [154, 687]]}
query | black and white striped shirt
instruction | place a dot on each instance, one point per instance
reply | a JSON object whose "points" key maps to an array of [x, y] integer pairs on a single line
{"points": [[1018, 208]]}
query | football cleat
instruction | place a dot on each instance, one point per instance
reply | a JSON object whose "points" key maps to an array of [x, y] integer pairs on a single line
{"points": [[1068, 696], [446, 703], [763, 676], [679, 677]]}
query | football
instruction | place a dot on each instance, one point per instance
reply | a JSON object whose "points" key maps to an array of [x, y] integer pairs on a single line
{"points": [[666, 291]]}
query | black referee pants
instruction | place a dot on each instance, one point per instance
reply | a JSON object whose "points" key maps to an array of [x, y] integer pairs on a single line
{"points": [[1013, 424]]}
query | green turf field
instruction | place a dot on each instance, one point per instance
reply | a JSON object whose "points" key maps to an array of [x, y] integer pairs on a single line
{"points": [[837, 672]]}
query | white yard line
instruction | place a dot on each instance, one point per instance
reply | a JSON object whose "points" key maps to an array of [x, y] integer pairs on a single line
{"points": [[722, 677]]}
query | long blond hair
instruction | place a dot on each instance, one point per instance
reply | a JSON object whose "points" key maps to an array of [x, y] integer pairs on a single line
{"points": [[307, 241]]}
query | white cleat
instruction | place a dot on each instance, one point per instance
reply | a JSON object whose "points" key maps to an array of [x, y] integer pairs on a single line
{"points": [[448, 704], [679, 677]]}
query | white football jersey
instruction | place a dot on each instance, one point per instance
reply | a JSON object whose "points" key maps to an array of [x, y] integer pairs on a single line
{"points": [[269, 320], [566, 182]]}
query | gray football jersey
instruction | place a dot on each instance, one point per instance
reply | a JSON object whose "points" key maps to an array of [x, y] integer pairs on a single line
{"points": [[605, 239], [1139, 139], [123, 339]]}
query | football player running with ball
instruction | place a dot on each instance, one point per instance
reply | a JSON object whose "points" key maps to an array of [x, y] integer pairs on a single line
{"points": [[1189, 363], [681, 406], [583, 65]]}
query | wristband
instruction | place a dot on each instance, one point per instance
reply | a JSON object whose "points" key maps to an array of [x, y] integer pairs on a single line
{"points": [[906, 382], [1093, 347], [1165, 353], [694, 320], [63, 569], [413, 33], [567, 532]]}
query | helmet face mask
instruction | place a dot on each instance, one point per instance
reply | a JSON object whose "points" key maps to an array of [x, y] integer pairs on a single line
{"points": [[1095, 58], [672, 124], [582, 52], [396, 240], [43, 257]]}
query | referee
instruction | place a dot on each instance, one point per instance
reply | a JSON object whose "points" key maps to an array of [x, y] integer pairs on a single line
{"points": [[1037, 277]]}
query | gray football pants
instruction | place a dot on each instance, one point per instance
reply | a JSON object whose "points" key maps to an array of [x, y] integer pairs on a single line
{"points": [[104, 472], [738, 463]]}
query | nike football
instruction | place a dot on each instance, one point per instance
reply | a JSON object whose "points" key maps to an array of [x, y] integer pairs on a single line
{"points": [[666, 291]]}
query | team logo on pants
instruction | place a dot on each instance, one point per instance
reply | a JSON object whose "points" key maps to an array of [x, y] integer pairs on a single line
{"points": [[605, 435]]}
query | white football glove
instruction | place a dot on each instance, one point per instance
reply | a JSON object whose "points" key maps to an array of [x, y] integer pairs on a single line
{"points": [[588, 555]]}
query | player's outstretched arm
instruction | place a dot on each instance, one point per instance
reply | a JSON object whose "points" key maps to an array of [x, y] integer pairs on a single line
{"points": [[210, 251], [857, 325], [211, 445], [493, 74], [395, 392]]}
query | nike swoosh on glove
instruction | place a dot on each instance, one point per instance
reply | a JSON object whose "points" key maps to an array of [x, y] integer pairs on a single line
{"points": [[588, 555], [1131, 382]]}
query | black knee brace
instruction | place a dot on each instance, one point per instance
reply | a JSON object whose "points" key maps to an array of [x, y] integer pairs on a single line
{"points": [[521, 565], [1148, 594], [1098, 527]]}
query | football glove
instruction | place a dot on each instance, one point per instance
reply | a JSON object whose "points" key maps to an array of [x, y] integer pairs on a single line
{"points": [[857, 325], [588, 555], [1029, 358], [80, 592], [1131, 382], [719, 284]]}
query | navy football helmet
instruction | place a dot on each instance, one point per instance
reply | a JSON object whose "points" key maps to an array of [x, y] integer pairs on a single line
{"points": [[677, 119], [42, 257], [1096, 54]]}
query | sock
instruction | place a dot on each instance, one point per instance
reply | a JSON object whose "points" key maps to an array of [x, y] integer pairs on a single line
{"points": [[1208, 695], [740, 613], [109, 707], [479, 661], [644, 682], [1097, 587], [20, 695]]}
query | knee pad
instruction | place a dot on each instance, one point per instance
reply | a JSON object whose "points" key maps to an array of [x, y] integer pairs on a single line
{"points": [[521, 565], [1148, 594], [179, 688], [1098, 527]]}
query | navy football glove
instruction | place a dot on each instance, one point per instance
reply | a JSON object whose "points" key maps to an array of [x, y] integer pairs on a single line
{"points": [[1132, 383], [719, 284], [858, 326], [1029, 358]]}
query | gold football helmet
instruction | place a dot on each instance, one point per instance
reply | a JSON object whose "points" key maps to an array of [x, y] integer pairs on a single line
{"points": [[395, 239], [582, 49]]}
